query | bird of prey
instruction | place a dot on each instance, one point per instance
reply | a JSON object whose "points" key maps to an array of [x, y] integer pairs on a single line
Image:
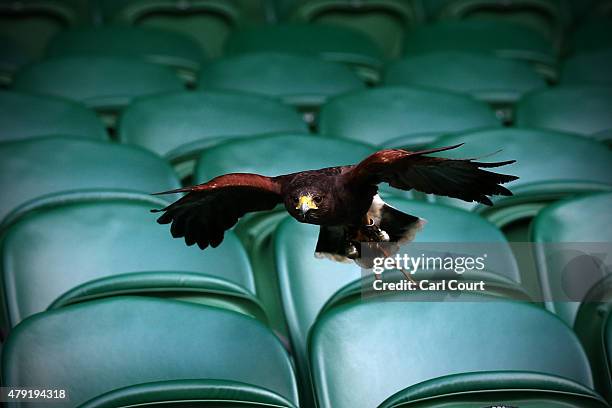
{"points": [[342, 200]]}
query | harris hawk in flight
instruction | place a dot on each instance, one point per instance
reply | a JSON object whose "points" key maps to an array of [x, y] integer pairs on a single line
{"points": [[342, 200]]}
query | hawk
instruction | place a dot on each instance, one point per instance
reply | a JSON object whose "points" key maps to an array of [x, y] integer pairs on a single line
{"points": [[342, 200]]}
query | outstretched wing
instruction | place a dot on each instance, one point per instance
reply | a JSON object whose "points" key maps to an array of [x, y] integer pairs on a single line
{"points": [[208, 210], [465, 179]]}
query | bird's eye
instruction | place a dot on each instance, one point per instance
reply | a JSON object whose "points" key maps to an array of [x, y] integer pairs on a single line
{"points": [[295, 200], [317, 199]]}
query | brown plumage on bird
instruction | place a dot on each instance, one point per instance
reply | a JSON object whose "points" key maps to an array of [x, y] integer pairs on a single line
{"points": [[342, 200]]}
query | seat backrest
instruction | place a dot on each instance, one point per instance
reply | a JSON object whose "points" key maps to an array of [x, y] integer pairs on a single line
{"points": [[154, 45], [557, 109], [362, 353], [295, 79], [416, 115], [162, 123], [25, 116], [54, 248], [273, 155], [102, 346], [588, 67], [101, 82], [34, 168], [561, 237], [547, 162], [485, 77]]}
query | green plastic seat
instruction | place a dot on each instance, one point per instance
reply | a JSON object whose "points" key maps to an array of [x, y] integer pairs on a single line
{"points": [[178, 51], [305, 82], [332, 43], [106, 84], [32, 23], [548, 17], [307, 283], [131, 351], [25, 116], [99, 245], [209, 22], [385, 21], [590, 67], [557, 109], [497, 81], [402, 116], [563, 222], [485, 351], [180, 125], [550, 165], [501, 38], [272, 155], [42, 166]]}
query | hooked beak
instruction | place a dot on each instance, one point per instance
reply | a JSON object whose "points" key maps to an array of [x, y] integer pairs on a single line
{"points": [[306, 204]]}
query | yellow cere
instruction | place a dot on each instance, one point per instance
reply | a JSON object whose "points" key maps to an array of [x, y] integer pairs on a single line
{"points": [[308, 201]]}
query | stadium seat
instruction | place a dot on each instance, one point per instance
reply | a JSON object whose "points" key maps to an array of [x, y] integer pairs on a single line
{"points": [[571, 258], [106, 84], [503, 39], [385, 21], [272, 155], [402, 116], [469, 353], [549, 17], [588, 67], [180, 125], [307, 283], [332, 43], [560, 233], [25, 116], [304, 82], [500, 82], [207, 21], [131, 351], [551, 166], [172, 49], [31, 23], [42, 166], [557, 109], [84, 246]]}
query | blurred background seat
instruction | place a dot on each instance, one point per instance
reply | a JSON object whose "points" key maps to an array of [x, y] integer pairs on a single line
{"points": [[34, 168], [402, 116], [385, 21], [595, 34], [300, 81], [30, 24], [557, 109], [549, 17], [499, 82], [307, 282], [129, 350], [361, 356], [590, 67], [12, 58], [487, 36], [105, 84], [273, 155], [163, 47], [92, 245], [208, 22], [180, 125], [332, 43], [25, 116]]}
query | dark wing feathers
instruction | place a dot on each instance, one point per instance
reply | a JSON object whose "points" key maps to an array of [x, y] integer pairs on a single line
{"points": [[207, 210], [465, 179]]}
